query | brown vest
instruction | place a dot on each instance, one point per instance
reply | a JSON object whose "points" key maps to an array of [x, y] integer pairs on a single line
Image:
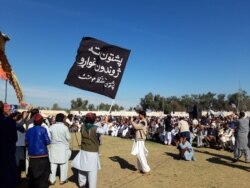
{"points": [[89, 140]]}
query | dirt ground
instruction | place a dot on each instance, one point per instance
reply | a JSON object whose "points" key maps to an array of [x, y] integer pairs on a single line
{"points": [[212, 168]]}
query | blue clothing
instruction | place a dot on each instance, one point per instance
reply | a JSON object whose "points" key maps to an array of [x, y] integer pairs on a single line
{"points": [[189, 153], [185, 134], [37, 140], [232, 124]]}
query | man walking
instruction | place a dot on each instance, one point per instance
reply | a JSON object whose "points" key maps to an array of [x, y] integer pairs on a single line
{"points": [[168, 129], [59, 150], [139, 148]]}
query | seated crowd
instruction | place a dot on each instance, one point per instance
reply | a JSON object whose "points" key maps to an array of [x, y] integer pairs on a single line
{"points": [[213, 132]]}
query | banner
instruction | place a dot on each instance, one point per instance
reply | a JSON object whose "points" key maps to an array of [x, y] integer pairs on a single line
{"points": [[99, 67]]}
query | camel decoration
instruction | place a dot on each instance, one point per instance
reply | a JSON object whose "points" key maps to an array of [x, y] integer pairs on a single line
{"points": [[6, 72]]}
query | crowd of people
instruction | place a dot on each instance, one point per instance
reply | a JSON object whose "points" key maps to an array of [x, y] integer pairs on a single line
{"points": [[229, 133], [39, 145]]}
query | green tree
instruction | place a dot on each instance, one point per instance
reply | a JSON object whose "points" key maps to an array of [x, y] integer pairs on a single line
{"points": [[240, 99], [220, 102], [158, 103], [56, 107], [42, 108], [153, 102], [104, 107], [195, 98], [91, 107], [206, 100], [130, 109], [186, 101], [148, 101], [79, 104]]}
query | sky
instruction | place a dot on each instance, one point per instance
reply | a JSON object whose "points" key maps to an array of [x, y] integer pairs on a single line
{"points": [[178, 47]]}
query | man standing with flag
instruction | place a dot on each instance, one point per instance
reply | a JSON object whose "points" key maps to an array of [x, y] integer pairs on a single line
{"points": [[87, 160]]}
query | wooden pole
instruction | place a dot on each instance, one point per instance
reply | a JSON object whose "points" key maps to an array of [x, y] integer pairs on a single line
{"points": [[6, 85], [111, 106]]}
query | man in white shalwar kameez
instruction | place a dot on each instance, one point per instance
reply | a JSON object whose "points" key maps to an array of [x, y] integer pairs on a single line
{"points": [[59, 151], [87, 160], [139, 148]]}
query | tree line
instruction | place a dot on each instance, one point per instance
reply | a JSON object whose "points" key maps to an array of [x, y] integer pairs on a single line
{"points": [[155, 102], [79, 104], [236, 101]]}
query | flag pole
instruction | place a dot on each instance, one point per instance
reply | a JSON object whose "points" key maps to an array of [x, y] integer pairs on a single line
{"points": [[6, 85], [111, 106]]}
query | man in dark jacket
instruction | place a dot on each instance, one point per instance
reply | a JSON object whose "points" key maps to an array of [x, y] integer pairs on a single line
{"points": [[168, 129], [8, 138], [37, 140]]}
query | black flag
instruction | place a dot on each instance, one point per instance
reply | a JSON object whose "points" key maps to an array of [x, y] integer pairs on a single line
{"points": [[99, 67]]}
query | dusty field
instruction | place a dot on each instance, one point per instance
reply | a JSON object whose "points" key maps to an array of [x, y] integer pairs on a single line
{"points": [[212, 168]]}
